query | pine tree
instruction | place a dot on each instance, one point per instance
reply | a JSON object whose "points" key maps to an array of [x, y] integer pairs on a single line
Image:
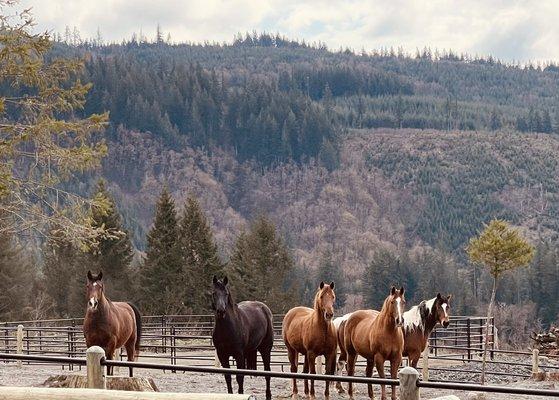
{"points": [[63, 260], [113, 253], [16, 280], [199, 254], [330, 270], [161, 275], [261, 267], [500, 248]]}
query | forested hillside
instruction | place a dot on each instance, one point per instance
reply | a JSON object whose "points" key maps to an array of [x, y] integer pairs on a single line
{"points": [[373, 167]]}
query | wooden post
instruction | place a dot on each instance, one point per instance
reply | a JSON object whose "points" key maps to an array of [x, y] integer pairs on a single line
{"points": [[469, 338], [535, 361], [408, 377], [95, 371], [425, 366], [19, 342]]}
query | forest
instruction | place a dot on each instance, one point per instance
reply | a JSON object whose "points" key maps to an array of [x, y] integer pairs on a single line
{"points": [[282, 163]]}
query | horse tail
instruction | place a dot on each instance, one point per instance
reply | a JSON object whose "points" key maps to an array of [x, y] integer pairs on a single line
{"points": [[138, 327]]}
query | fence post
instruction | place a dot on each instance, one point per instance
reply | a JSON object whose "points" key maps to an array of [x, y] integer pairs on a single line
{"points": [[493, 337], [408, 389], [19, 342], [469, 339], [535, 361], [425, 366], [95, 371]]}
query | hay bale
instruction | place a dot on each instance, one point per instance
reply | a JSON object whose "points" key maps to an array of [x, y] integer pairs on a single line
{"points": [[134, 384]]}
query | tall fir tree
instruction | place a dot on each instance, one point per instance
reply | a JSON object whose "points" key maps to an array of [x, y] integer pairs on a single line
{"points": [[63, 260], [199, 255], [16, 280], [330, 270], [161, 291], [113, 253], [261, 267]]}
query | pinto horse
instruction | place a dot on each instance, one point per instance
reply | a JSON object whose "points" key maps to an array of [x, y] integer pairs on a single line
{"points": [[110, 325], [310, 331], [376, 336], [240, 331], [420, 321]]}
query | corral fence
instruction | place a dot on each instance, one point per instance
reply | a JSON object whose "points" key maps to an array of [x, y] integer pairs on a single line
{"points": [[408, 380], [186, 339]]}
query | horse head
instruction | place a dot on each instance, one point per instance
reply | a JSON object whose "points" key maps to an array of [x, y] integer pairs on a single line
{"points": [[94, 290], [397, 303], [221, 297], [325, 299], [441, 309]]}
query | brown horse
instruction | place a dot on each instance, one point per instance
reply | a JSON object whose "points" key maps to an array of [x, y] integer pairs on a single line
{"points": [[310, 331], [420, 321], [376, 336], [110, 325]]}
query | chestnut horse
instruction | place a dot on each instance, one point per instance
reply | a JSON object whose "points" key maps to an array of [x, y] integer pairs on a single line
{"points": [[420, 321], [376, 336], [110, 325], [240, 331], [310, 331]]}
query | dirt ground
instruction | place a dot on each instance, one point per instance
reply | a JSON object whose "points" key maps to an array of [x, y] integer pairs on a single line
{"points": [[36, 375]]}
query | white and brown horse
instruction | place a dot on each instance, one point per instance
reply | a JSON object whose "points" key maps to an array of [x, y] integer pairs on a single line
{"points": [[420, 321]]}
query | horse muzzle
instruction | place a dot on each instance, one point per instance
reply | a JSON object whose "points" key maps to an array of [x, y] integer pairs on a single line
{"points": [[400, 322], [328, 316], [445, 324], [220, 314]]}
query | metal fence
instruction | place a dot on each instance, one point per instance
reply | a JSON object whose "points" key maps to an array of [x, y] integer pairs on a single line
{"points": [[186, 339]]}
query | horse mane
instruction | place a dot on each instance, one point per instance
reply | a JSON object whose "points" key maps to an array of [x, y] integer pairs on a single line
{"points": [[384, 310], [415, 317], [316, 302]]}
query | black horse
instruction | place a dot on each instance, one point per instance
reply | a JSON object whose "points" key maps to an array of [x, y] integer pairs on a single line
{"points": [[240, 331]]}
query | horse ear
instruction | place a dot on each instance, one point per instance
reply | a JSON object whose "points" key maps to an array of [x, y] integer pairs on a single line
{"points": [[448, 298], [214, 280], [89, 276], [438, 296], [100, 275], [393, 291], [225, 281], [332, 285], [402, 290], [321, 284]]}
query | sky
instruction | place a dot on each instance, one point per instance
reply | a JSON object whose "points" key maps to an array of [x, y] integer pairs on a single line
{"points": [[513, 31]]}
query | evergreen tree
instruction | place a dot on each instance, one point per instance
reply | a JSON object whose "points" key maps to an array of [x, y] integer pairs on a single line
{"points": [[199, 254], [161, 277], [496, 123], [113, 253], [261, 267], [386, 269], [63, 260], [16, 280], [330, 270]]}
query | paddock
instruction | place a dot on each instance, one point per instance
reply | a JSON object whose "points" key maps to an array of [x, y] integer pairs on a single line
{"points": [[185, 341]]}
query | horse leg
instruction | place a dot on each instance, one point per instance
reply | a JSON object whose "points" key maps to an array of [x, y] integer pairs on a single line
{"points": [[306, 371], [312, 371], [240, 360], [330, 370], [339, 370], [394, 365], [130, 355], [351, 358], [109, 355], [413, 359], [368, 374], [266, 357], [251, 360], [224, 361], [294, 361], [379, 364]]}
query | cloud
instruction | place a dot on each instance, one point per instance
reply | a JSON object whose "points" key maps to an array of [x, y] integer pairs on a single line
{"points": [[510, 30]]}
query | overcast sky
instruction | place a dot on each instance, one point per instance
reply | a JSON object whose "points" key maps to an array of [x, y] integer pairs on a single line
{"points": [[510, 30]]}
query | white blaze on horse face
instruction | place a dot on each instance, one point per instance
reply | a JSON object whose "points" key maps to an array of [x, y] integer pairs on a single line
{"points": [[92, 302], [399, 306], [444, 305]]}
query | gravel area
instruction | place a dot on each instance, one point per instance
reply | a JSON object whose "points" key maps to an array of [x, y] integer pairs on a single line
{"points": [[36, 375]]}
